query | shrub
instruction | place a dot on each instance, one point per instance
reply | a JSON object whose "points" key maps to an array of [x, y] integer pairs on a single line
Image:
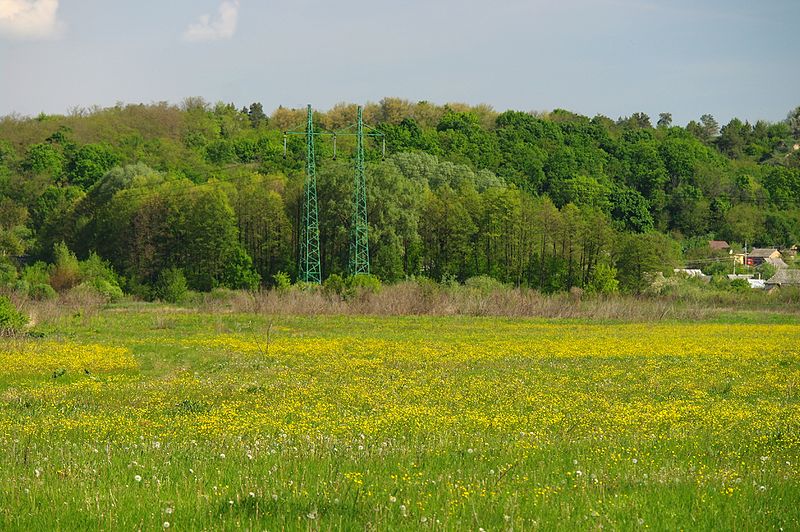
{"points": [[8, 275], [365, 282], [604, 280], [41, 292], [335, 284], [95, 269], [484, 284], [282, 282], [739, 285], [171, 286], [66, 272], [11, 320], [111, 292], [37, 273]]}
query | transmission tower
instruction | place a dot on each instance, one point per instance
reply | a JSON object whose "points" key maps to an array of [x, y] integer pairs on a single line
{"points": [[310, 268], [359, 230]]}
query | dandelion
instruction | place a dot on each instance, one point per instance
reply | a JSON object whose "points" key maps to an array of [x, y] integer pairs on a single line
{"points": [[578, 473], [38, 472], [274, 496], [635, 461], [137, 478], [252, 494], [169, 510], [392, 499], [166, 524], [312, 514], [404, 510], [222, 456]]}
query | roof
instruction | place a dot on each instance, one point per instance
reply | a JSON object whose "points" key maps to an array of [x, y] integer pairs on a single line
{"points": [[778, 263], [718, 244], [762, 253], [757, 283], [785, 278]]}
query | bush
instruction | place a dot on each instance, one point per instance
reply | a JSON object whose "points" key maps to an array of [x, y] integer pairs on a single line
{"points": [[282, 282], [335, 284], [739, 285], [96, 269], [110, 291], [11, 320], [604, 280], [66, 272], [37, 273], [365, 282], [171, 286], [8, 275], [484, 284], [41, 292]]}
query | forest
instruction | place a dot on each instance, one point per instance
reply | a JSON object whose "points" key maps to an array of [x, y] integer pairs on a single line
{"points": [[550, 200]]}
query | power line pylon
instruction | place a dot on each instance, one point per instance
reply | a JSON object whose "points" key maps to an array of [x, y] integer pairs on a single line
{"points": [[310, 268], [359, 230]]}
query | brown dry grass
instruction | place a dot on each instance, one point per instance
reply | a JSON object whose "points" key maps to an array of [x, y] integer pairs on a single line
{"points": [[410, 299]]}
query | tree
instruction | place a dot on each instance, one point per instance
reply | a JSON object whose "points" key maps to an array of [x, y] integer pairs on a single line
{"points": [[636, 256], [256, 115], [664, 120]]}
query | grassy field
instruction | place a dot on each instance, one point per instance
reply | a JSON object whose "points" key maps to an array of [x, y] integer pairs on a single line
{"points": [[146, 417]]}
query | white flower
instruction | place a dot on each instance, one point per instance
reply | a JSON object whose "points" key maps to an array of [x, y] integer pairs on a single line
{"points": [[169, 510], [252, 494], [312, 515], [470, 451], [578, 473], [222, 455], [392, 498], [166, 524], [423, 519], [38, 472], [762, 488], [635, 461], [403, 510], [274, 496], [138, 478]]}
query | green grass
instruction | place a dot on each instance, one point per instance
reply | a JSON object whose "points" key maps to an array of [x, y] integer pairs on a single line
{"points": [[227, 421]]}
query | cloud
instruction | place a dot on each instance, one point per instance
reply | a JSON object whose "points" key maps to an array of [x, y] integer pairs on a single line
{"points": [[29, 19], [208, 28]]}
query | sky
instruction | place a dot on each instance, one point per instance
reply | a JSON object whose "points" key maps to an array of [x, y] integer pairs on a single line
{"points": [[729, 58]]}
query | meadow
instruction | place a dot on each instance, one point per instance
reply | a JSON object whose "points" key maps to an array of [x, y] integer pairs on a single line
{"points": [[146, 417]]}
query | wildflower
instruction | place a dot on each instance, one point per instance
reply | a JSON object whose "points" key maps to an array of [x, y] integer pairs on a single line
{"points": [[392, 498], [635, 461], [578, 473], [222, 455], [252, 494], [403, 510], [169, 510], [312, 514], [137, 478], [166, 524]]}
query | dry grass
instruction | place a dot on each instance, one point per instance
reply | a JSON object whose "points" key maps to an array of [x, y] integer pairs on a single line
{"points": [[414, 299]]}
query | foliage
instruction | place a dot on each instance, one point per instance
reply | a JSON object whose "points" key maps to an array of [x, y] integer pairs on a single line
{"points": [[530, 199], [171, 286], [11, 319]]}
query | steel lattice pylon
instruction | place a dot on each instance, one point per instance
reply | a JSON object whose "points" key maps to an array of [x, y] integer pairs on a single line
{"points": [[359, 230], [310, 268]]}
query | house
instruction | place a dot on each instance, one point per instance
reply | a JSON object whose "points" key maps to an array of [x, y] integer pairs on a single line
{"points": [[758, 284], [778, 264], [734, 276], [759, 255], [690, 272], [783, 278], [718, 245]]}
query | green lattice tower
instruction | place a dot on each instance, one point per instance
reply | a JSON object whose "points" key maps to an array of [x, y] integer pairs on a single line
{"points": [[310, 268], [359, 232]]}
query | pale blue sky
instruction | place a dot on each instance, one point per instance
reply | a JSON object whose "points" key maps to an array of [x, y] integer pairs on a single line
{"points": [[612, 57]]}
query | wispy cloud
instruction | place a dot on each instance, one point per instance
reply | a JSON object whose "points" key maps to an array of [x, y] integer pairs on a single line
{"points": [[29, 19], [214, 28]]}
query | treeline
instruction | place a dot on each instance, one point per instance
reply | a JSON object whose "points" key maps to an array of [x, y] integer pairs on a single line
{"points": [[551, 201]]}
